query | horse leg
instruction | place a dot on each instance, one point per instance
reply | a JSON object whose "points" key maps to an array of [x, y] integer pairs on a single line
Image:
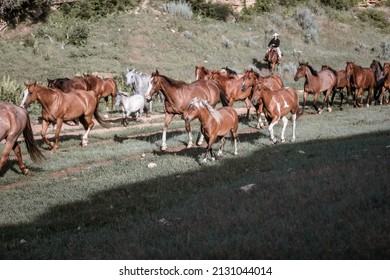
{"points": [[294, 123], [382, 95], [316, 95], [201, 139], [326, 100], [88, 124], [369, 96], [304, 102], [167, 121], [285, 122], [222, 144], [45, 126], [271, 129], [57, 135], [18, 153], [248, 107], [188, 129]]}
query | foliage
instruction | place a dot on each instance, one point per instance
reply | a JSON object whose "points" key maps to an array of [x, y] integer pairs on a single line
{"points": [[384, 51], [309, 26], [216, 11], [95, 9], [340, 4], [10, 91], [181, 8], [14, 12], [375, 18]]}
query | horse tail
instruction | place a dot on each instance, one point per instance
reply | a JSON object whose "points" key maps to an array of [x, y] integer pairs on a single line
{"points": [[223, 95], [32, 148], [100, 120]]}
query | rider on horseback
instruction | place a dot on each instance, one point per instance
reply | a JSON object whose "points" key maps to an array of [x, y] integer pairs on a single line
{"points": [[274, 44]]}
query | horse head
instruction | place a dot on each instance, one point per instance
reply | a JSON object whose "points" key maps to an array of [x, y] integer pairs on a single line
{"points": [[29, 94]]}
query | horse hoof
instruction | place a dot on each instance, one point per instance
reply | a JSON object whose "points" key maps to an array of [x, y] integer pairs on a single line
{"points": [[219, 153], [213, 159], [25, 171], [189, 145], [283, 140], [200, 143], [293, 140], [329, 109], [163, 148]]}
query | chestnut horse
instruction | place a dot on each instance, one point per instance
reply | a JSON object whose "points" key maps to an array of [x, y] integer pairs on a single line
{"points": [[342, 82], [103, 87], [214, 124], [252, 79], [386, 82], [276, 105], [58, 107], [362, 79], [272, 59], [13, 121], [315, 83], [232, 88], [202, 73], [67, 85], [178, 95]]}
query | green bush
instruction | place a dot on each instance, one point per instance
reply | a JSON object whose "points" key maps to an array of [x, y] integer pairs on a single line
{"points": [[211, 10], [10, 91], [180, 8], [78, 34], [374, 17], [340, 4], [14, 12]]}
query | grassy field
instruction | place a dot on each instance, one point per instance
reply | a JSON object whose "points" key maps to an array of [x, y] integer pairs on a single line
{"points": [[325, 196]]}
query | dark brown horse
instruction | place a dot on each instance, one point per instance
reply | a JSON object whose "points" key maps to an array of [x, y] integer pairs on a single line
{"points": [[232, 88], [58, 107], [272, 59], [178, 95], [377, 67], [342, 82], [202, 73], [103, 87], [214, 124], [252, 79], [361, 79], [276, 105], [69, 84], [13, 121], [386, 82], [315, 83]]}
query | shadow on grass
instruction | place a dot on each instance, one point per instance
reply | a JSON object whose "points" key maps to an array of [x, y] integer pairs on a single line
{"points": [[322, 199]]}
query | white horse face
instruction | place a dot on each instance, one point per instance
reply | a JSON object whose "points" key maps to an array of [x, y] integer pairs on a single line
{"points": [[23, 104], [130, 77]]}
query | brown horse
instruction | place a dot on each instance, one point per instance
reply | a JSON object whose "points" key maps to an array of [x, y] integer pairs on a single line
{"points": [[377, 68], [67, 85], [342, 82], [232, 88], [361, 79], [276, 105], [252, 79], [202, 73], [272, 59], [315, 83], [178, 95], [58, 107], [386, 82], [103, 87], [214, 124], [13, 121]]}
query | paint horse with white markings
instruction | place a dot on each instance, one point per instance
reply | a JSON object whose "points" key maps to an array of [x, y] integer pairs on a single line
{"points": [[214, 124]]}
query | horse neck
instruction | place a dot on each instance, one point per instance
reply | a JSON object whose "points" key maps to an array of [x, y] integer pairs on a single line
{"points": [[206, 118], [46, 97], [169, 91]]}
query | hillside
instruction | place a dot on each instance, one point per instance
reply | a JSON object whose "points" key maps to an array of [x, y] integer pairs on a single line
{"points": [[148, 39]]}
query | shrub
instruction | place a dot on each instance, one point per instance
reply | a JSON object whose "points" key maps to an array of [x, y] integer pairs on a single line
{"points": [[14, 12], [180, 8], [77, 34], [374, 17], [340, 4], [309, 26], [227, 43], [385, 51], [10, 91], [216, 11]]}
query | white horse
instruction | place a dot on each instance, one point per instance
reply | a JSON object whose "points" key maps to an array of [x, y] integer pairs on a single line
{"points": [[130, 104], [139, 83]]}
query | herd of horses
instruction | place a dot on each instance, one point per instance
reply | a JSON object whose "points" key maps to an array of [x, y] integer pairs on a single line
{"points": [[77, 98]]}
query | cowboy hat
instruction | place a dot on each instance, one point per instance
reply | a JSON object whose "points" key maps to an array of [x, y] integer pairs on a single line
{"points": [[276, 35]]}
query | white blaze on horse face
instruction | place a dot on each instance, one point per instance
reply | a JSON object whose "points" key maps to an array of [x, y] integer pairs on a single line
{"points": [[25, 95], [148, 91]]}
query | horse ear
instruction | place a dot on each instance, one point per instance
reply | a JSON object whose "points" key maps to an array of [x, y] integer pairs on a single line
{"points": [[157, 72]]}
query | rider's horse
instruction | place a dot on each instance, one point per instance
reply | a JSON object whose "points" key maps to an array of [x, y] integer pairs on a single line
{"points": [[13, 121], [276, 105], [252, 79], [272, 59], [214, 124], [315, 83], [178, 95], [361, 79], [58, 107], [103, 88]]}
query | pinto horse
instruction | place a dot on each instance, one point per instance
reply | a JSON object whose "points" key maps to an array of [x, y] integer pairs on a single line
{"points": [[214, 124], [252, 79], [386, 82], [232, 88], [342, 82], [178, 95], [13, 121], [315, 83], [362, 79], [58, 107], [103, 87], [272, 59], [276, 105]]}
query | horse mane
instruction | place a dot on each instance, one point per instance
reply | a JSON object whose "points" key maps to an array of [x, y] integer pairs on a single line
{"points": [[376, 62], [312, 70], [212, 111], [331, 69], [173, 82], [229, 71]]}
